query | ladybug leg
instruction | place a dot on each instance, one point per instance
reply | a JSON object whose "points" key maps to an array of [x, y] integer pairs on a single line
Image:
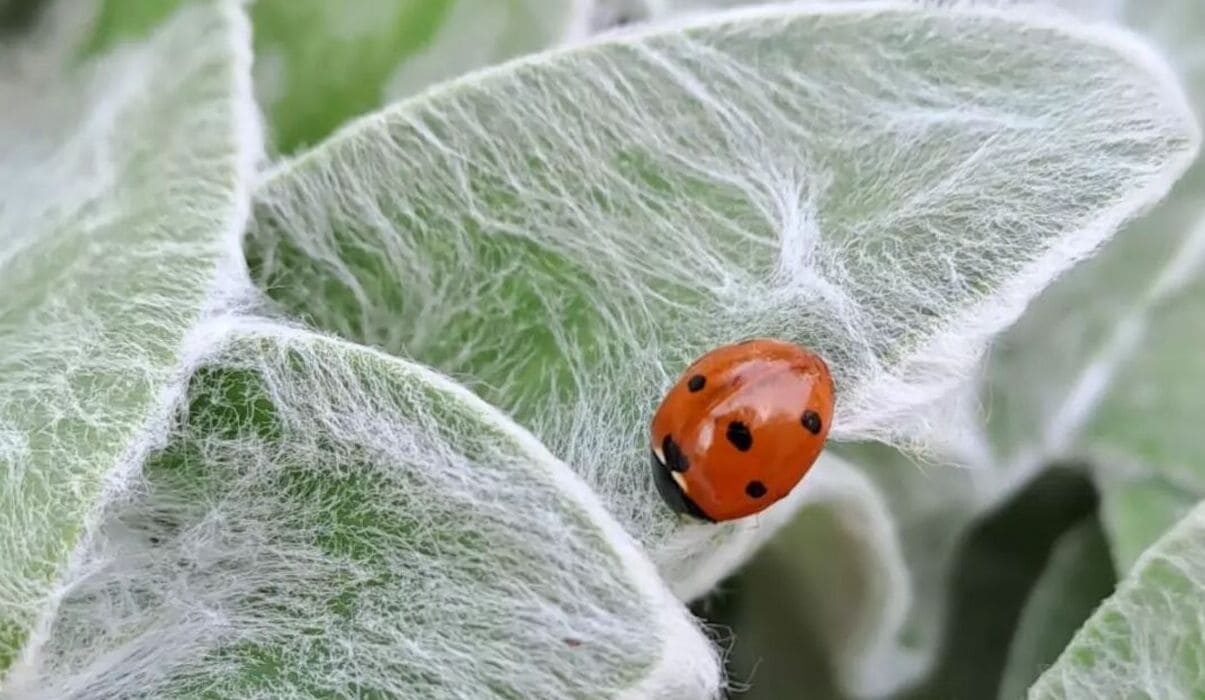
{"points": [[671, 490]]}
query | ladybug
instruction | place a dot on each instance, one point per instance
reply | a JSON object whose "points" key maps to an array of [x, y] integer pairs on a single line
{"points": [[740, 428]]}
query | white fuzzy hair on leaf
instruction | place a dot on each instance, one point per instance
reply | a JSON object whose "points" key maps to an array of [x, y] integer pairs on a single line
{"points": [[126, 190], [1145, 640], [197, 502], [885, 182], [329, 520]]}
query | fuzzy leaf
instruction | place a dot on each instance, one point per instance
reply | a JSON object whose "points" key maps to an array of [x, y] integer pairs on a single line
{"points": [[1056, 379], [329, 521], [887, 183], [1146, 416], [804, 609], [1148, 639], [662, 9], [125, 193], [1142, 425], [319, 63], [1078, 576]]}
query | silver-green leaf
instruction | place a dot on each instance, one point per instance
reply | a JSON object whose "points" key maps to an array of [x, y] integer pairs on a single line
{"points": [[329, 521], [1148, 639], [886, 182], [1101, 367], [126, 189]]}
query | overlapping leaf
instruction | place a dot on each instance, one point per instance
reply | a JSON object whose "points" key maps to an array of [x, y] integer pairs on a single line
{"points": [[1055, 381], [195, 502], [330, 521], [1148, 640], [125, 192], [1137, 509], [887, 183]]}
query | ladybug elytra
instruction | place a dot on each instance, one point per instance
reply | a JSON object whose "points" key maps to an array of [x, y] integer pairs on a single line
{"points": [[740, 428]]}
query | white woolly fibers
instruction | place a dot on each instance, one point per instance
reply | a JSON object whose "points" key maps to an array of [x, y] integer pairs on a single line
{"points": [[126, 190], [194, 503], [328, 520], [1096, 316], [1145, 640], [886, 182]]}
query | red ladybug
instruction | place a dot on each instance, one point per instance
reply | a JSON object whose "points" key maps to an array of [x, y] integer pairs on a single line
{"points": [[740, 428]]}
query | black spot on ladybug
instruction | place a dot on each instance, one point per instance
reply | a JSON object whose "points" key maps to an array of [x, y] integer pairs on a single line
{"points": [[674, 459], [696, 383], [755, 489], [811, 421], [740, 437]]}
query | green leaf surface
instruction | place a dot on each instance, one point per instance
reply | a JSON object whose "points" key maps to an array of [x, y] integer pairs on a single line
{"points": [[329, 521], [811, 603], [876, 181], [319, 63], [666, 9], [125, 193], [1098, 365], [1054, 344], [776, 648], [818, 609], [1148, 639], [831, 604], [1078, 576], [1149, 412]]}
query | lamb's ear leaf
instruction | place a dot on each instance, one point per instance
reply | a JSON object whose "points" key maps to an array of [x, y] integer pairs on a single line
{"points": [[1129, 405], [331, 521], [319, 63], [1148, 638], [1143, 426], [843, 563], [1100, 364], [899, 618], [126, 190], [566, 232]]}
